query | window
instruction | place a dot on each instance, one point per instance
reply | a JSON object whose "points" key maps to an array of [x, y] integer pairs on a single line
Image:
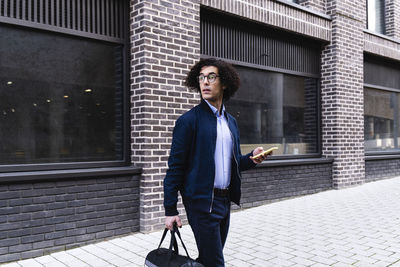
{"points": [[381, 105], [276, 109], [60, 98], [376, 16], [381, 120]]}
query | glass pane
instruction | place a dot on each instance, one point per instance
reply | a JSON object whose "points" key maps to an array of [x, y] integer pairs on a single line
{"points": [[376, 18], [275, 109], [60, 98], [380, 120]]}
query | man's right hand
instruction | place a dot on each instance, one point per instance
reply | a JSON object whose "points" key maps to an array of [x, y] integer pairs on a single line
{"points": [[170, 220]]}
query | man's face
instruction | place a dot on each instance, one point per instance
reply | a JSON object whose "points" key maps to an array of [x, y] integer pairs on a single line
{"points": [[211, 91]]}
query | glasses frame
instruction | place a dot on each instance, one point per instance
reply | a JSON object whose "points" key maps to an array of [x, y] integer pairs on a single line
{"points": [[201, 78]]}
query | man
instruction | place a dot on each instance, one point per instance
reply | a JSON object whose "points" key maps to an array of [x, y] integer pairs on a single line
{"points": [[205, 162]]}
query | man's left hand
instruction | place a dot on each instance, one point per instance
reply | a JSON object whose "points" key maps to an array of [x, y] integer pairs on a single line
{"points": [[260, 159]]}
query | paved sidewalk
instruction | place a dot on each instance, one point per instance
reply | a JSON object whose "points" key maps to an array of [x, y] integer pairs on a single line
{"points": [[358, 226]]}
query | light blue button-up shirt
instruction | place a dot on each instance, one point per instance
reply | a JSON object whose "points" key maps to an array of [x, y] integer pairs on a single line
{"points": [[223, 150]]}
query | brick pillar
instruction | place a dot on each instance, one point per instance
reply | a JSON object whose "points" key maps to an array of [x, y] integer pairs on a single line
{"points": [[392, 18], [342, 93], [317, 5], [165, 43]]}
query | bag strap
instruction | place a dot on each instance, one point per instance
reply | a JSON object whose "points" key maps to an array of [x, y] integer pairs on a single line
{"points": [[172, 243], [183, 245], [163, 237], [179, 235], [175, 244]]}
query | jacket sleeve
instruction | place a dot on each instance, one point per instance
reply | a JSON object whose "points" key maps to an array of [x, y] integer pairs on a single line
{"points": [[245, 163], [177, 164]]}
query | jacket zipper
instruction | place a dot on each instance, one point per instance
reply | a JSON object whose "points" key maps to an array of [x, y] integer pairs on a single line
{"points": [[234, 156], [233, 146], [212, 199]]}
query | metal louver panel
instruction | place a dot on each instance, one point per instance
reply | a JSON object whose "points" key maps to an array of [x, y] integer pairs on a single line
{"points": [[99, 19], [381, 73], [247, 42]]}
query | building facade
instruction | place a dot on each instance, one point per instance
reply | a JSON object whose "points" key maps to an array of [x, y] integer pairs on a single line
{"points": [[90, 91]]}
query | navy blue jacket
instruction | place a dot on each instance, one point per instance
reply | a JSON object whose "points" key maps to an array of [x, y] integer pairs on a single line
{"points": [[191, 162]]}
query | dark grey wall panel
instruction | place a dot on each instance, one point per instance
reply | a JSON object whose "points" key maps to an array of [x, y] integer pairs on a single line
{"points": [[40, 217], [271, 183], [381, 169]]}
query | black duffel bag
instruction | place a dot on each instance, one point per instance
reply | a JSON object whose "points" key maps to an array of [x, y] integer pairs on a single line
{"points": [[162, 257]]}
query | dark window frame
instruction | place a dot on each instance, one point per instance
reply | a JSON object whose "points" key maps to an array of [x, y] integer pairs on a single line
{"points": [[370, 58], [317, 154], [126, 161], [210, 22], [395, 151]]}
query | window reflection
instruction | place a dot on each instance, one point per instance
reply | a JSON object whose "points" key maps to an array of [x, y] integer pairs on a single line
{"points": [[48, 114], [376, 15], [380, 119], [276, 109]]}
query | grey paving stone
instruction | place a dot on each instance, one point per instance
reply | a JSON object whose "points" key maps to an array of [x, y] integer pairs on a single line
{"points": [[343, 260], [257, 262], [323, 260], [383, 263], [302, 254], [55, 264], [76, 263], [243, 257], [364, 259], [280, 262], [238, 263], [340, 264], [13, 264], [302, 261]]}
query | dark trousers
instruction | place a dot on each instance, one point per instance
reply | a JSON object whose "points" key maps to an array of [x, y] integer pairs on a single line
{"points": [[210, 231]]}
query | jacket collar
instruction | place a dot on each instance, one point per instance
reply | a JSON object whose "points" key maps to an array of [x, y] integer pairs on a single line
{"points": [[204, 105]]}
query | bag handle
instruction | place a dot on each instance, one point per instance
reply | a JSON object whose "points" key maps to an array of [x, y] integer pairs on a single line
{"points": [[179, 235], [175, 244], [173, 239], [163, 237]]}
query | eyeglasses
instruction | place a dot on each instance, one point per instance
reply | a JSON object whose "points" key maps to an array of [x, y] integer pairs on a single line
{"points": [[211, 77]]}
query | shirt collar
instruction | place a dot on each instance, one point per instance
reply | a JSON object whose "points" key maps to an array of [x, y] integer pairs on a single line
{"points": [[215, 110]]}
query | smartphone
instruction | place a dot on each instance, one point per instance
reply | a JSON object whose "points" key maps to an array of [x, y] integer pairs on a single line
{"points": [[266, 152]]}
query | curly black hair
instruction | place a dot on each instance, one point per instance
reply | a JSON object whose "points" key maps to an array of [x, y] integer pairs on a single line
{"points": [[227, 73]]}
